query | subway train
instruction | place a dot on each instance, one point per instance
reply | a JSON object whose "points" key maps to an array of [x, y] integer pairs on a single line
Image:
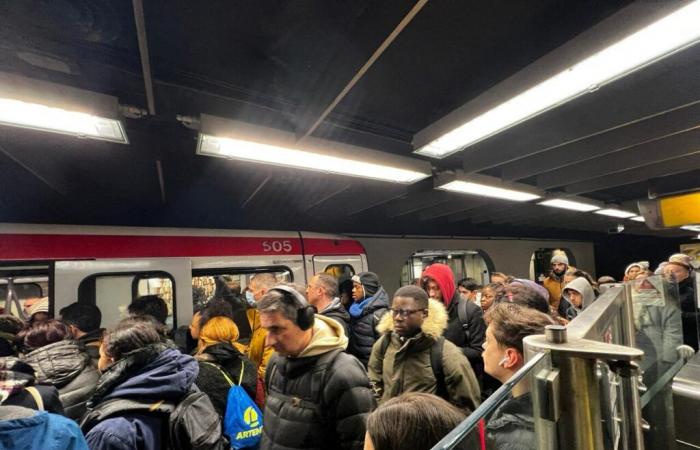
{"points": [[109, 266]]}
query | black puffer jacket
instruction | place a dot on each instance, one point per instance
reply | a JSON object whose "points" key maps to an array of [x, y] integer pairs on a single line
{"points": [[689, 312], [511, 426], [472, 345], [337, 311], [363, 333], [70, 369], [318, 400], [213, 383]]}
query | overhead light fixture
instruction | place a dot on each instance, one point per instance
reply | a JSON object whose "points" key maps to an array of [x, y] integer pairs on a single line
{"points": [[618, 213], [486, 187], [638, 219], [570, 204], [693, 228], [242, 141], [648, 45], [44, 106]]}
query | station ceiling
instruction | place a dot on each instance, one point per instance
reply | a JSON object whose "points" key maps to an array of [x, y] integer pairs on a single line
{"points": [[281, 64]]}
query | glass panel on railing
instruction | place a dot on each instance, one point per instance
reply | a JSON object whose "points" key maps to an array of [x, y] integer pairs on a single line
{"points": [[659, 332], [503, 420], [657, 324]]}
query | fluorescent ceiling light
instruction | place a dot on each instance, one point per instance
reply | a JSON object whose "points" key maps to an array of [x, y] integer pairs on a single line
{"points": [[41, 105], [620, 214], [570, 204], [44, 118], [658, 40], [466, 187], [693, 228], [312, 154], [638, 219]]}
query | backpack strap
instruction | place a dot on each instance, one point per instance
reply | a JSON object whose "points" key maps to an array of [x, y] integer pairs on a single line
{"points": [[386, 341], [36, 395], [119, 406], [436, 365], [464, 317]]}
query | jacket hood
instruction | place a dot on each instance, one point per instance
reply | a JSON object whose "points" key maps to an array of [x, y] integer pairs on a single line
{"points": [[58, 363], [224, 352], [433, 325], [443, 276], [155, 371], [328, 335], [336, 307], [583, 287], [369, 281]]}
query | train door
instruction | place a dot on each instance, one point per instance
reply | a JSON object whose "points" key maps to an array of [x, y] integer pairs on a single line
{"points": [[113, 284]]}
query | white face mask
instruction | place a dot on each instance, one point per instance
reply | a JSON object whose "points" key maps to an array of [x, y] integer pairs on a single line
{"points": [[503, 361], [250, 298], [648, 297]]}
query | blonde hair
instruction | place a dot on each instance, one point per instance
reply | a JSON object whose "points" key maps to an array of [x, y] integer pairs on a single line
{"points": [[219, 330]]}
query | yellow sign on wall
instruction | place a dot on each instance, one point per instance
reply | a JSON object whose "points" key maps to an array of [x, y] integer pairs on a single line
{"points": [[680, 210]]}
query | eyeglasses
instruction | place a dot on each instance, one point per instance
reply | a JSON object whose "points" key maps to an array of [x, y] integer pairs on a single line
{"points": [[404, 312]]}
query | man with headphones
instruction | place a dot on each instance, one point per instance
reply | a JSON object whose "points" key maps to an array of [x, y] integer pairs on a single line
{"points": [[318, 395]]}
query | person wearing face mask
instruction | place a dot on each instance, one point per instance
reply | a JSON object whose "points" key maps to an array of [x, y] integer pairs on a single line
{"points": [[657, 325], [511, 426], [679, 270], [413, 356]]}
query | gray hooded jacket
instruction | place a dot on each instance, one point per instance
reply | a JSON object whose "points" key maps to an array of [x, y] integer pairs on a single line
{"points": [[583, 287]]}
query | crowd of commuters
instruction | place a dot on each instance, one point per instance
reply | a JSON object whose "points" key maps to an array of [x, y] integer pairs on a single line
{"points": [[328, 365]]}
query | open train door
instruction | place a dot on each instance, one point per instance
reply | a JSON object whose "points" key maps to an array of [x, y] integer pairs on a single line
{"points": [[112, 284]]}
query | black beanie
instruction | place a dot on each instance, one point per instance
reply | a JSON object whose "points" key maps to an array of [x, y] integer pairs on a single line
{"points": [[369, 280]]}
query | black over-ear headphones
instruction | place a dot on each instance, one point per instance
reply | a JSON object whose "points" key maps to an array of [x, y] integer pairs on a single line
{"points": [[305, 312]]}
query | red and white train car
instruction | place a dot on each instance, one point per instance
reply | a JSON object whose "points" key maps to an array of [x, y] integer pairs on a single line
{"points": [[112, 265]]}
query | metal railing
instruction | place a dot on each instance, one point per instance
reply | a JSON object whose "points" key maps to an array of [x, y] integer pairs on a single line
{"points": [[456, 436], [584, 378]]}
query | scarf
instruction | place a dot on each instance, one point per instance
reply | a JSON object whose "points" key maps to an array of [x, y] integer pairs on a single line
{"points": [[357, 307]]}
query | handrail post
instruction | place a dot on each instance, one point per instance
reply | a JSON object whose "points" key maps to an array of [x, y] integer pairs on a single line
{"points": [[568, 397]]}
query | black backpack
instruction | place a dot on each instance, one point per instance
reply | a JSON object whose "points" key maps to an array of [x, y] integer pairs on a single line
{"points": [[435, 362], [191, 424], [463, 317]]}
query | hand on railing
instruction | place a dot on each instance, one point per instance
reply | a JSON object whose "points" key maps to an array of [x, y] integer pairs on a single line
{"points": [[685, 351]]}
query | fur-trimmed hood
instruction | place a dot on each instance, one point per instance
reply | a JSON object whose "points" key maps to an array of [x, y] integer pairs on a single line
{"points": [[433, 325]]}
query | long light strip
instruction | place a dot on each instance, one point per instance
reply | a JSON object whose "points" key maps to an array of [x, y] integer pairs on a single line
{"points": [[569, 204], [282, 156], [44, 118], [694, 228], [466, 187], [638, 219], [658, 40], [620, 214]]}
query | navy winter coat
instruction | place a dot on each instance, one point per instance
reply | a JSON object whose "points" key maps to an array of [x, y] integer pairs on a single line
{"points": [[152, 373]]}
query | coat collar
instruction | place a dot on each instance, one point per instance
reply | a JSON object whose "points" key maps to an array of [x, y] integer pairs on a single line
{"points": [[433, 326]]}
